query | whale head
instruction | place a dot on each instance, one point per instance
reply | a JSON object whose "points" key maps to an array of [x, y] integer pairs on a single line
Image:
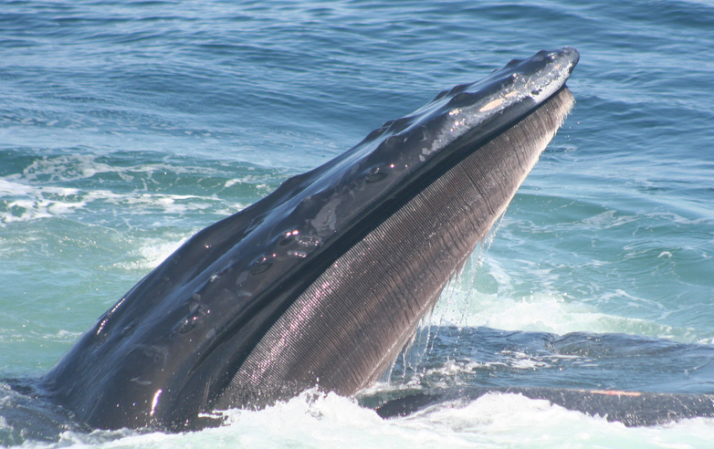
{"points": [[322, 282]]}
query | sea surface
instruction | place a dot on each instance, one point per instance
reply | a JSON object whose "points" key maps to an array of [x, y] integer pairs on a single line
{"points": [[127, 126]]}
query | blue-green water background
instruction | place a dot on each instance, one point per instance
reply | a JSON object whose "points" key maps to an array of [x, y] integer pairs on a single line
{"points": [[125, 127]]}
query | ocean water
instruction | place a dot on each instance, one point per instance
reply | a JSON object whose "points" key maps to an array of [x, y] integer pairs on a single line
{"points": [[127, 126]]}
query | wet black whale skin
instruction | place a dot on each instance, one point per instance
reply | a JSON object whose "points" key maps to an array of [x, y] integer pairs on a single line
{"points": [[169, 349]]}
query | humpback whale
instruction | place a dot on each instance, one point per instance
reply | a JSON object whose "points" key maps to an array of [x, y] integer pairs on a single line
{"points": [[324, 281], [631, 408]]}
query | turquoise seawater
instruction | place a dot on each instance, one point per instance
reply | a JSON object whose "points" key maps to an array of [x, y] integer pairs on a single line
{"points": [[127, 126]]}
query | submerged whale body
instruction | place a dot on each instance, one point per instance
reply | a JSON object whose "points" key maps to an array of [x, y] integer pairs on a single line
{"points": [[324, 281], [631, 408]]}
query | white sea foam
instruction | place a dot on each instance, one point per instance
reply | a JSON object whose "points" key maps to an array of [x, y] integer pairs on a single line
{"points": [[10, 188], [81, 166], [150, 253], [38, 202], [63, 335], [33, 195], [607, 219], [33, 209], [452, 369], [543, 310], [331, 421]]}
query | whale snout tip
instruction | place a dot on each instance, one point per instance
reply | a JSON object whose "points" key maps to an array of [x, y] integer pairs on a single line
{"points": [[570, 54], [554, 59]]}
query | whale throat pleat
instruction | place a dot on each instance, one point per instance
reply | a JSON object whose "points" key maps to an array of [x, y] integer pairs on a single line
{"points": [[350, 324]]}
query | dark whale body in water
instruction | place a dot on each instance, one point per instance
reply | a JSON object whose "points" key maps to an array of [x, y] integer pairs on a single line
{"points": [[324, 281], [632, 408]]}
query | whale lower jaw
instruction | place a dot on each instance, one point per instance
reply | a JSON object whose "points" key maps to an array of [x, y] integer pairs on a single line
{"points": [[339, 334]]}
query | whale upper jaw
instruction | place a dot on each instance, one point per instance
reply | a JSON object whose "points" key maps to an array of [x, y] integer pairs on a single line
{"points": [[324, 280]]}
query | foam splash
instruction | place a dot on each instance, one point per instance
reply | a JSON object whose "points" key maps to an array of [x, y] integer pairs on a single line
{"points": [[150, 253], [543, 312], [330, 421], [65, 185], [45, 203], [452, 370], [468, 301], [511, 420], [27, 202], [83, 166], [36, 202]]}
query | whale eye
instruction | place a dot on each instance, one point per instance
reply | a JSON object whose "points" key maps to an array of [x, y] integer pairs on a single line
{"points": [[186, 325], [285, 241], [440, 94], [128, 329], [261, 267], [375, 175]]}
